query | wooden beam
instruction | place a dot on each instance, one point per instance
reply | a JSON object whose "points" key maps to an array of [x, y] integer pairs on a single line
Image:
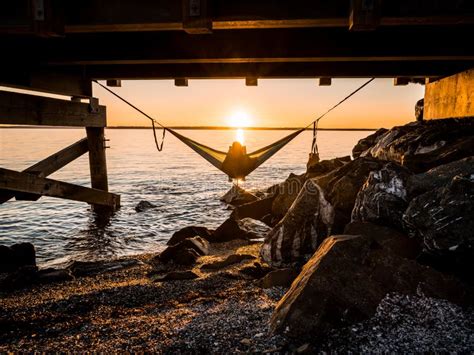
{"points": [[196, 17], [117, 83], [181, 82], [30, 183], [48, 166], [24, 109], [450, 97], [325, 81], [251, 81], [401, 81], [386, 69], [365, 15], [63, 81]]}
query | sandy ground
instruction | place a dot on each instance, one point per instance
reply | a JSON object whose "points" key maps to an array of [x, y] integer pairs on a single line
{"points": [[126, 310], [220, 312]]}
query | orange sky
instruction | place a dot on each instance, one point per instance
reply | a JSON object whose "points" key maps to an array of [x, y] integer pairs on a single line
{"points": [[273, 103]]}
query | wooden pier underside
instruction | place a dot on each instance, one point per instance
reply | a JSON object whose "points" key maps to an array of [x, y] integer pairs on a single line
{"points": [[60, 47]]}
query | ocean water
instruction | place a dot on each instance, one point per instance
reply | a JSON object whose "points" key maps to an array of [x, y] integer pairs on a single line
{"points": [[184, 187]]}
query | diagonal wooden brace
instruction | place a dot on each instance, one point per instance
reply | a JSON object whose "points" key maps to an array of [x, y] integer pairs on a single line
{"points": [[29, 183], [48, 166]]}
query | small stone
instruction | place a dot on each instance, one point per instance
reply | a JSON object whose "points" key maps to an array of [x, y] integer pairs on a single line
{"points": [[246, 342], [230, 260], [175, 275], [143, 206]]}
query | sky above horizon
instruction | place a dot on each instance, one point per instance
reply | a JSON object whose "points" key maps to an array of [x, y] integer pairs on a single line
{"points": [[273, 103]]}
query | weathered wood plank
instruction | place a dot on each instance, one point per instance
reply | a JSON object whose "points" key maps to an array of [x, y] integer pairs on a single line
{"points": [[450, 97], [48, 166], [24, 109], [30, 183]]}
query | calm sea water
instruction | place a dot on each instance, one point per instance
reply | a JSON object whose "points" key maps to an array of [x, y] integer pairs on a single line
{"points": [[185, 188]]}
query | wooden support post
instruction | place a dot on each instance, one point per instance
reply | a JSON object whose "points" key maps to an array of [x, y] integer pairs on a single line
{"points": [[97, 161], [117, 83], [181, 82], [30, 183], [48, 166], [325, 81], [364, 15], [196, 16], [250, 81]]}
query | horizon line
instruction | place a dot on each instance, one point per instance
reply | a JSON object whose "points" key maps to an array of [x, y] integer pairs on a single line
{"points": [[201, 128]]}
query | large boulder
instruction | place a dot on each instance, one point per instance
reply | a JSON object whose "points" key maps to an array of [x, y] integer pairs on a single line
{"points": [[245, 228], [259, 209], [16, 256], [420, 146], [442, 219], [383, 198], [237, 196], [346, 279], [325, 166], [439, 176], [391, 239], [298, 234], [189, 232], [342, 185], [285, 194], [368, 142], [184, 253]]}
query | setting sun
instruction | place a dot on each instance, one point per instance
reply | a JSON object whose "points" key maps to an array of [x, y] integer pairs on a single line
{"points": [[239, 119]]}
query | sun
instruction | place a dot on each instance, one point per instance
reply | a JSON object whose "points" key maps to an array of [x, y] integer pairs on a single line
{"points": [[239, 119]]}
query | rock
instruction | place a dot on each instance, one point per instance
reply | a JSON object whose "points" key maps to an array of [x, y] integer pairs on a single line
{"points": [[442, 219], [420, 110], [184, 253], [280, 277], [237, 196], [22, 277], [298, 234], [88, 268], [326, 166], [395, 241], [342, 185], [246, 228], [189, 232], [175, 275], [255, 210], [230, 260], [143, 206], [255, 271], [383, 198], [420, 146], [368, 142], [346, 279], [51, 275], [16, 256], [439, 176], [285, 194]]}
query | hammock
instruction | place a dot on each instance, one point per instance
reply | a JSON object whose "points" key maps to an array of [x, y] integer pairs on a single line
{"points": [[237, 163]]}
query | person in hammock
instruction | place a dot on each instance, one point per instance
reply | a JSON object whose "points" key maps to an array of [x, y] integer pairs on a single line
{"points": [[237, 164]]}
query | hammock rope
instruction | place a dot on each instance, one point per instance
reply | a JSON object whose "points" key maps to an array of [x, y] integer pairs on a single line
{"points": [[236, 163]]}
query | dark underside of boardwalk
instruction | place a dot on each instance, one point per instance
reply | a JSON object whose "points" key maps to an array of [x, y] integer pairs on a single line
{"points": [[59, 46]]}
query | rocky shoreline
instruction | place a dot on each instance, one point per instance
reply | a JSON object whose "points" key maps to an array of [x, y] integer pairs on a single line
{"points": [[370, 254]]}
